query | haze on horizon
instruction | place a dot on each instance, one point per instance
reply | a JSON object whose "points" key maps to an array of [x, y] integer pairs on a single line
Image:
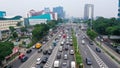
{"points": [[105, 8]]}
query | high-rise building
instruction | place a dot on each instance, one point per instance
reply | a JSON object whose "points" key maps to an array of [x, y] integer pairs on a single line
{"points": [[87, 14], [2, 13], [59, 11], [47, 10], [119, 9]]}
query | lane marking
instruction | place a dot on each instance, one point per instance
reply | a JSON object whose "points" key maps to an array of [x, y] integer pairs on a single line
{"points": [[97, 58]]}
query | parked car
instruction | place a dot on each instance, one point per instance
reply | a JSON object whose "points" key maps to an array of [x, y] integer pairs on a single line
{"points": [[29, 51], [44, 59], [98, 49], [88, 61]]}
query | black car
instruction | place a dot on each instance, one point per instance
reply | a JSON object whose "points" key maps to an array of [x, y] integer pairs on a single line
{"points": [[118, 49], [24, 59], [8, 66], [29, 51], [66, 47], [45, 52], [40, 50], [49, 52], [88, 61], [58, 56], [44, 59], [90, 42], [98, 50]]}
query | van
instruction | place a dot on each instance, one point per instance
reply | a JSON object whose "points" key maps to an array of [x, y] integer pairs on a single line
{"points": [[60, 48], [73, 64], [56, 64]]}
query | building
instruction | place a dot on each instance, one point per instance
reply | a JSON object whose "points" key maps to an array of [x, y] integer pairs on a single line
{"points": [[87, 14], [33, 20], [2, 14], [59, 11], [47, 10], [16, 22], [119, 9]]}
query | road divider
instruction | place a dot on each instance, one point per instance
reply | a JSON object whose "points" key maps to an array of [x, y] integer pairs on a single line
{"points": [[78, 57]]}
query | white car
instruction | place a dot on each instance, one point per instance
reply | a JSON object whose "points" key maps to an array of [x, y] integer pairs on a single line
{"points": [[33, 46], [71, 52], [38, 61]]}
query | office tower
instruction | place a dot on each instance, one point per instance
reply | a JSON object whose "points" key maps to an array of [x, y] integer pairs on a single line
{"points": [[119, 9], [2, 14], [59, 11], [47, 10], [87, 13]]}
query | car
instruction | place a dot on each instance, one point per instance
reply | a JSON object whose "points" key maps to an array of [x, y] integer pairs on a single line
{"points": [[118, 49], [98, 49], [88, 61], [58, 56], [24, 59], [65, 57], [49, 52], [60, 48], [40, 50], [45, 52], [8, 66], [71, 43], [66, 47], [44, 59], [83, 42], [64, 65], [56, 64], [62, 43], [72, 52], [29, 51], [33, 47], [90, 42], [41, 66], [38, 61]]}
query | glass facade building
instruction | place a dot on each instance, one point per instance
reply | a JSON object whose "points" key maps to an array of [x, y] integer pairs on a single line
{"points": [[2, 14]]}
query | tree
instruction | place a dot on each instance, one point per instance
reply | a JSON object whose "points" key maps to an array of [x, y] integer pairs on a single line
{"points": [[5, 49], [12, 29], [23, 29], [15, 35], [92, 34]]}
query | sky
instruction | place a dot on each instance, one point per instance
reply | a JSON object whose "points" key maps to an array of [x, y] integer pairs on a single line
{"points": [[75, 8]]}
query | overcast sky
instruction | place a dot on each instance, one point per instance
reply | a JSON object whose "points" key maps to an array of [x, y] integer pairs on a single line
{"points": [[105, 8]]}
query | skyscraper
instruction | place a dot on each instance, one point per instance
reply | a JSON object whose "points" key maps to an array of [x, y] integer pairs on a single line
{"points": [[87, 11], [119, 9], [2, 13], [59, 11], [47, 10]]}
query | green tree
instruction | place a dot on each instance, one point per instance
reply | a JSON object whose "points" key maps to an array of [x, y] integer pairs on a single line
{"points": [[92, 34], [15, 35], [23, 29], [12, 29], [5, 49]]}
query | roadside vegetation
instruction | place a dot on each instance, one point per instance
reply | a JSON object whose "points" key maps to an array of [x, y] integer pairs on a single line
{"points": [[78, 57]]}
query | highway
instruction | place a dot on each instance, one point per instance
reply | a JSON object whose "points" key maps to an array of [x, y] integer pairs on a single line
{"points": [[99, 60], [63, 52]]}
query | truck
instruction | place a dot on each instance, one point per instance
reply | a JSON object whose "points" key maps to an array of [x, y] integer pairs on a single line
{"points": [[38, 45], [73, 64], [56, 64]]}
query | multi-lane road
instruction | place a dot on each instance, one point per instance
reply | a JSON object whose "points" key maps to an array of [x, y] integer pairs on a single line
{"points": [[99, 59]]}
